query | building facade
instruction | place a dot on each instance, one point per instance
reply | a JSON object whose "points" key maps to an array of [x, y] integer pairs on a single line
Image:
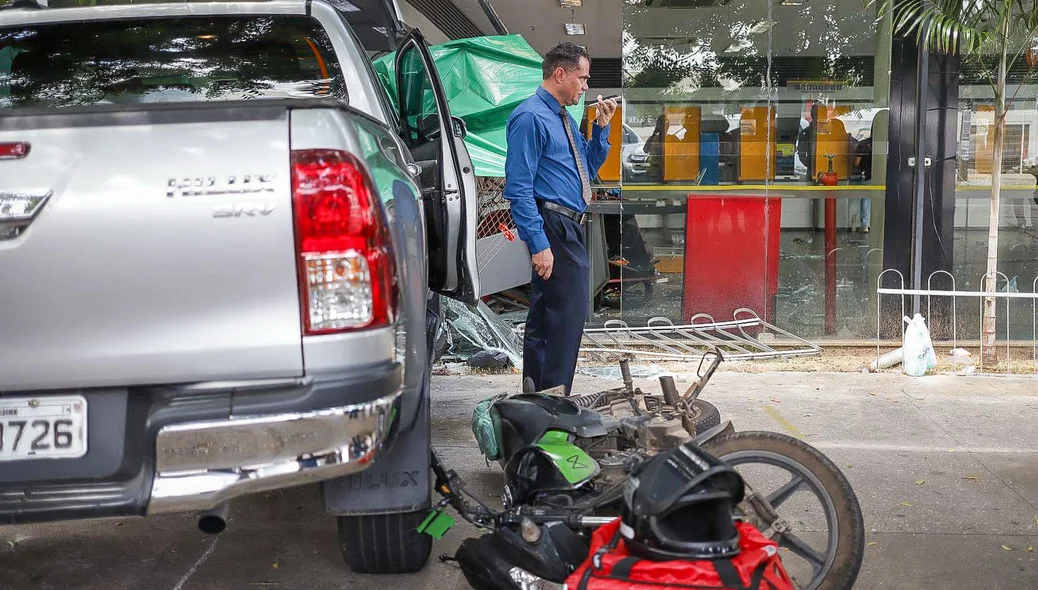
{"points": [[765, 165]]}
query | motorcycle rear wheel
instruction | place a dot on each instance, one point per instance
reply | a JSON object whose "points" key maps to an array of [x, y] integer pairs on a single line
{"points": [[838, 566]]}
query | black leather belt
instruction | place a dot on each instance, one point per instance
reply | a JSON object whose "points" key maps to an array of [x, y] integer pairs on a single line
{"points": [[564, 210]]}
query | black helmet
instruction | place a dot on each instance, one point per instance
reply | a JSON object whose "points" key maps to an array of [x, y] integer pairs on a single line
{"points": [[680, 505]]}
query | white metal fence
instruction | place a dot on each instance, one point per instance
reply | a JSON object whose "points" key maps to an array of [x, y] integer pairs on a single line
{"points": [[1005, 292]]}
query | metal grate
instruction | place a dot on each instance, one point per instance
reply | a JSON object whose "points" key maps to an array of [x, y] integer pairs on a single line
{"points": [[606, 72], [493, 216], [448, 18]]}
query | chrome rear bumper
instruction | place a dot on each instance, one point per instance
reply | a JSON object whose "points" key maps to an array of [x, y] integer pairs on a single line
{"points": [[200, 465]]}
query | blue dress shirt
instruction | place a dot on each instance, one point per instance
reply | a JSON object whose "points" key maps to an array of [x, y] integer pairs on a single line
{"points": [[540, 164]]}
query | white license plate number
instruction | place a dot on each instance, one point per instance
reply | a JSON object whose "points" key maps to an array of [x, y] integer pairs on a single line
{"points": [[43, 427]]}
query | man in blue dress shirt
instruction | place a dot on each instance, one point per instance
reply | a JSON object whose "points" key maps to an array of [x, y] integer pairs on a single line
{"points": [[547, 183]]}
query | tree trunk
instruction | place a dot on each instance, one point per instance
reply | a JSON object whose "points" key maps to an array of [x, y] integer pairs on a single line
{"points": [[991, 278]]}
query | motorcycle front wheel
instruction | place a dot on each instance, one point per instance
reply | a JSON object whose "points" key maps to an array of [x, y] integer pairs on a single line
{"points": [[782, 505]]}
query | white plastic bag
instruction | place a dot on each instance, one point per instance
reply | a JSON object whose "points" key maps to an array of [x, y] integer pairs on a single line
{"points": [[919, 356]]}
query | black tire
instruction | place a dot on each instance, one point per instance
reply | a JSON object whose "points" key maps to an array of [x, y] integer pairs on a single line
{"points": [[842, 569], [707, 415], [384, 543]]}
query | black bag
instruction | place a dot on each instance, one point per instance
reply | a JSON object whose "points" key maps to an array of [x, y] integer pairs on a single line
{"points": [[487, 560]]}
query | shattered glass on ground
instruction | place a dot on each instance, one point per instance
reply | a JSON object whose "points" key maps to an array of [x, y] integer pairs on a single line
{"points": [[612, 372], [477, 330]]}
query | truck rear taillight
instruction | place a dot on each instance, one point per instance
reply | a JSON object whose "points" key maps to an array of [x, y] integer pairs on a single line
{"points": [[342, 243], [14, 150]]}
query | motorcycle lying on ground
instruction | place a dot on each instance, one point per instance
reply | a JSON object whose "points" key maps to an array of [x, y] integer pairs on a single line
{"points": [[565, 461]]}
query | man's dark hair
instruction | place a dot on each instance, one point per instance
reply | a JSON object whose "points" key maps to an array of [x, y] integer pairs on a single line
{"points": [[565, 55]]}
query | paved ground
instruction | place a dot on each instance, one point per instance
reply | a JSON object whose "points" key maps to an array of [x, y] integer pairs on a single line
{"points": [[971, 442]]}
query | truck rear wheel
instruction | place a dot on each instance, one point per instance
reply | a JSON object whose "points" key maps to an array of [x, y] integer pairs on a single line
{"points": [[384, 543]]}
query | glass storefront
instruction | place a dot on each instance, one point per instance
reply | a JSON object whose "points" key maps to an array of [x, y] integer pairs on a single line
{"points": [[754, 162], [1018, 211], [753, 159]]}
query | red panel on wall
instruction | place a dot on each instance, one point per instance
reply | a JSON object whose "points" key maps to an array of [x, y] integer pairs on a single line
{"points": [[731, 255]]}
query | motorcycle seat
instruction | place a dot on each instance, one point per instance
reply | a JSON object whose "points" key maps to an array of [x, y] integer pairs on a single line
{"points": [[524, 418]]}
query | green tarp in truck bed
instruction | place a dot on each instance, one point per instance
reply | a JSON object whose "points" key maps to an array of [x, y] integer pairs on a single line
{"points": [[484, 79]]}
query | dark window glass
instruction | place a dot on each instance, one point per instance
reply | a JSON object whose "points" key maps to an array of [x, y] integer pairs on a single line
{"points": [[172, 60]]}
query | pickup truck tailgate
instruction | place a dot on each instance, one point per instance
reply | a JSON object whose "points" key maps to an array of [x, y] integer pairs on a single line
{"points": [[164, 252]]}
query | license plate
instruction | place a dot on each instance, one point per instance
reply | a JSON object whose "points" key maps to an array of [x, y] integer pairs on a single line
{"points": [[43, 427]]}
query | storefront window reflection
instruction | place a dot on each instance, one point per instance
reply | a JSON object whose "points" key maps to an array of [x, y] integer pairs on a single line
{"points": [[1018, 212], [753, 162]]}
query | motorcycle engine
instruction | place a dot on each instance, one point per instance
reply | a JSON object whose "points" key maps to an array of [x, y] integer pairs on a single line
{"points": [[615, 466]]}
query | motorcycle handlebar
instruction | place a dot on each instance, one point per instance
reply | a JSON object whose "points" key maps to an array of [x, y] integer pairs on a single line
{"points": [[570, 520]]}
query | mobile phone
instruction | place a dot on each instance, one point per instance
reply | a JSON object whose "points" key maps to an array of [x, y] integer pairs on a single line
{"points": [[595, 103]]}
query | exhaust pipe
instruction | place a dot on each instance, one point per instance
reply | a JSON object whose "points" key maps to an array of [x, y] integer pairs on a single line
{"points": [[214, 521]]}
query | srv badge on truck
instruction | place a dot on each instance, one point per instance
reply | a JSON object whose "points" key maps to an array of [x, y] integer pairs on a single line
{"points": [[249, 209]]}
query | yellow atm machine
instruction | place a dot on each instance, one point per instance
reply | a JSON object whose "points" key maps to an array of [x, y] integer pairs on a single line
{"points": [[982, 139], [831, 137], [681, 148], [610, 170], [753, 140]]}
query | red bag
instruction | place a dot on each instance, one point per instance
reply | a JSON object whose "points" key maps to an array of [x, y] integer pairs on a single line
{"points": [[610, 567]]}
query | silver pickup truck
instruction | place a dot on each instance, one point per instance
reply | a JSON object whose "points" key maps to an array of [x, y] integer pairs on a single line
{"points": [[222, 250]]}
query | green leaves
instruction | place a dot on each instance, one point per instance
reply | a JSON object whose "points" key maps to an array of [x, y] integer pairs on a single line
{"points": [[963, 26], [948, 26]]}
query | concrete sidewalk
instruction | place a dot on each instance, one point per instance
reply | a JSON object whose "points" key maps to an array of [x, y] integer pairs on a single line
{"points": [[971, 441]]}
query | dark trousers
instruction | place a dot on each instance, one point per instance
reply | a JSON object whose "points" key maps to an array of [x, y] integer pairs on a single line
{"points": [[558, 307]]}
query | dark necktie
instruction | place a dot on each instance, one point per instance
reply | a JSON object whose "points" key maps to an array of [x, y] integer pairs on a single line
{"points": [[585, 184]]}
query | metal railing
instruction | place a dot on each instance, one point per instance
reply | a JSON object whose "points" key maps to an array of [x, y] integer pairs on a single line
{"points": [[661, 339], [955, 294]]}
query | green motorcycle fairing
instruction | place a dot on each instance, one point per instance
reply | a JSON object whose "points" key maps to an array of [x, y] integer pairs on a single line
{"points": [[572, 461]]}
